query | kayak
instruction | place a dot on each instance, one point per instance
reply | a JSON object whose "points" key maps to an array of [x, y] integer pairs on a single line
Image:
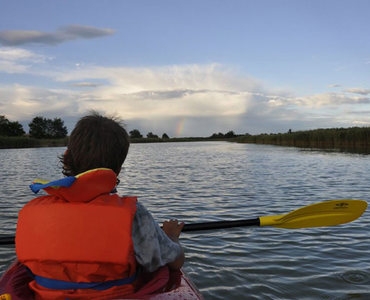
{"points": [[163, 284]]}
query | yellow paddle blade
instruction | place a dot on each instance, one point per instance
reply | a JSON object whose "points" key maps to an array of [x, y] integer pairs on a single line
{"points": [[327, 213]]}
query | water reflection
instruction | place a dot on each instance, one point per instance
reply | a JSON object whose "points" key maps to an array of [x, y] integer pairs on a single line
{"points": [[202, 181]]}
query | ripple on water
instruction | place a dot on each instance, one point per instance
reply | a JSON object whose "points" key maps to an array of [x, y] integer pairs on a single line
{"points": [[356, 277], [198, 182]]}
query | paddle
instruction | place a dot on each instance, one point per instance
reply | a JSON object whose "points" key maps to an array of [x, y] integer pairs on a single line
{"points": [[327, 213]]}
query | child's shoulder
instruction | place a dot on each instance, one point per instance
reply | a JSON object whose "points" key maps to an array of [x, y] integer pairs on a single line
{"points": [[141, 210]]}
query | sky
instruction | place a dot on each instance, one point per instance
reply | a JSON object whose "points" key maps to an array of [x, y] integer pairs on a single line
{"points": [[188, 68]]}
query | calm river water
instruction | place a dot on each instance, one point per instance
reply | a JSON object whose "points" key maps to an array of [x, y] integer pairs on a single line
{"points": [[208, 181]]}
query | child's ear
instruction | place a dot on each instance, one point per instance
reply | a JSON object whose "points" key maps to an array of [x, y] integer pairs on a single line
{"points": [[65, 154]]}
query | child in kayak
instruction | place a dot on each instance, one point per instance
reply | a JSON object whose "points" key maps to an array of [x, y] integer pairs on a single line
{"points": [[82, 240]]}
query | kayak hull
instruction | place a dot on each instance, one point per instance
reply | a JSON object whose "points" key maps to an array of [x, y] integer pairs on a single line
{"points": [[185, 290], [14, 285]]}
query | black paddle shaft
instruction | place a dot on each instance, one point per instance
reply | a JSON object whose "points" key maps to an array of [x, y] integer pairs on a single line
{"points": [[220, 224]]}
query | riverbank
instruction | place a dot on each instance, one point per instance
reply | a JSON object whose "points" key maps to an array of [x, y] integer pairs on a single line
{"points": [[353, 140], [28, 142]]}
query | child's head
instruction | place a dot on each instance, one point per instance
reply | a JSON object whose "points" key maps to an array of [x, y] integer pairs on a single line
{"points": [[96, 142]]}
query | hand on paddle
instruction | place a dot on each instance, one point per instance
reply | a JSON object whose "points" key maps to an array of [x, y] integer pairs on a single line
{"points": [[173, 229]]}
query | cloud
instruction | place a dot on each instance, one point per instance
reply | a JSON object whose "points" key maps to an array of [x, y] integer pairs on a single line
{"points": [[207, 98], [20, 102], [17, 60], [86, 84], [360, 91], [64, 34], [189, 90], [329, 100]]}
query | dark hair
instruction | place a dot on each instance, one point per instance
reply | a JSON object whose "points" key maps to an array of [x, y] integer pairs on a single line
{"points": [[96, 142]]}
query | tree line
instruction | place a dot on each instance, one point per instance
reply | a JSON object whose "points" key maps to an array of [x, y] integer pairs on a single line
{"points": [[39, 128], [47, 132], [44, 128], [136, 134]]}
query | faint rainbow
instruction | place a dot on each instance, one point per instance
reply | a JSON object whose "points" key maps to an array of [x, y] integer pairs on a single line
{"points": [[180, 126]]}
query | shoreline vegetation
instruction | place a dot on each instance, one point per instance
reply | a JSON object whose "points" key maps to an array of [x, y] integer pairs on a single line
{"points": [[9, 142], [351, 140]]}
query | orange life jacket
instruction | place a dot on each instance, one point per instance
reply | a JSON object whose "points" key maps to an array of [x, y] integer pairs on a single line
{"points": [[79, 234]]}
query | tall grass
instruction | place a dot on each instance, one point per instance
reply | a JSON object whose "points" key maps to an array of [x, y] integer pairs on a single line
{"points": [[354, 139], [28, 142]]}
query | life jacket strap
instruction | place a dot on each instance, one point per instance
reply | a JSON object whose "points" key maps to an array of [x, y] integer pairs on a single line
{"points": [[56, 284], [39, 184]]}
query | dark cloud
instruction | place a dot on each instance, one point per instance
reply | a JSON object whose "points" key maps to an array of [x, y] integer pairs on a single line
{"points": [[87, 84], [359, 91], [174, 93], [64, 34]]}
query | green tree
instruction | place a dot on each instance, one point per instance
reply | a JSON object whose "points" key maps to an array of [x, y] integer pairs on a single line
{"points": [[135, 134], [8, 128], [230, 134], [57, 129], [151, 135], [37, 127], [15, 129], [3, 123], [165, 136], [217, 135], [41, 127]]}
